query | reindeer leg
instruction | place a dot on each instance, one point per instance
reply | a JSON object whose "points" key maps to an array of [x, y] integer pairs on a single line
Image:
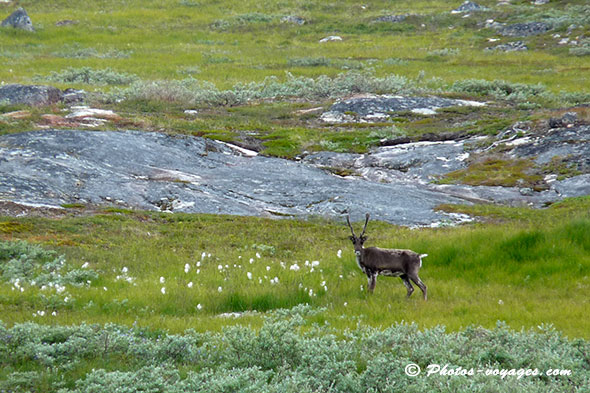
{"points": [[408, 285], [372, 281], [420, 284]]}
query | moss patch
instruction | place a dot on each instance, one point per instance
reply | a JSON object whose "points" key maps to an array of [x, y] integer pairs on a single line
{"points": [[498, 171]]}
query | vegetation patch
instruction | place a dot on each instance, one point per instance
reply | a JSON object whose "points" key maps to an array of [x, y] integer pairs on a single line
{"points": [[87, 75], [281, 356], [498, 171]]}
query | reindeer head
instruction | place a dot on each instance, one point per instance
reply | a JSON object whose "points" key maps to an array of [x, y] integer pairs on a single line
{"points": [[358, 241]]}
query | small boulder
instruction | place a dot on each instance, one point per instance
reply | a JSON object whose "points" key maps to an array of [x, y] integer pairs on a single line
{"points": [[66, 22], [331, 38], [19, 19], [467, 6], [296, 20], [391, 18], [73, 96], [16, 115], [32, 95], [569, 119], [510, 47], [524, 29], [84, 113]]}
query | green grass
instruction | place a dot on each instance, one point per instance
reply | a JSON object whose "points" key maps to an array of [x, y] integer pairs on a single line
{"points": [[516, 270], [524, 266], [157, 39], [226, 46], [494, 171]]}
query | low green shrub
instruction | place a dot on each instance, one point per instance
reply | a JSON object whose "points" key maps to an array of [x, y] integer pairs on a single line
{"points": [[289, 354], [499, 89], [241, 20], [194, 92], [76, 51], [89, 75]]}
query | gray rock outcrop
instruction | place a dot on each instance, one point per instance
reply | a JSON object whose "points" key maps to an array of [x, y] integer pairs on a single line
{"points": [[293, 19], [368, 108], [510, 47], [160, 172], [32, 95], [170, 173], [19, 19], [524, 29], [468, 6], [391, 18]]}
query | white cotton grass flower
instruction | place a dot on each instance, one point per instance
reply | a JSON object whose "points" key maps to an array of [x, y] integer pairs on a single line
{"points": [[54, 313], [199, 307], [268, 268], [104, 288], [124, 269], [258, 256], [198, 271], [203, 255], [249, 275], [219, 289], [163, 290], [345, 304], [85, 265], [500, 302], [274, 281], [294, 267], [199, 264], [190, 284], [339, 254], [251, 260], [187, 268], [219, 267], [162, 280], [315, 263]]}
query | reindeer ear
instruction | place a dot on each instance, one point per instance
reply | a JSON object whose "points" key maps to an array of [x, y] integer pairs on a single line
{"points": [[364, 238], [351, 238]]}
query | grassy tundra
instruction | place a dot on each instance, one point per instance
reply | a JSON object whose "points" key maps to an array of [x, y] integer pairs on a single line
{"points": [[114, 299], [204, 289]]}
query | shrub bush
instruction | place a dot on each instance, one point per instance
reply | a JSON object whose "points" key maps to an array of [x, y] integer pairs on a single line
{"points": [[287, 354], [89, 75]]}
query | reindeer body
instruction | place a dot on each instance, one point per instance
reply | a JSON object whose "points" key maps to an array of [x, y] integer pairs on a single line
{"points": [[374, 261]]}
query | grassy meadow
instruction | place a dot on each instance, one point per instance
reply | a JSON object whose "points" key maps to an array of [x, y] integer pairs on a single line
{"points": [[176, 302], [252, 76], [102, 299], [525, 272]]}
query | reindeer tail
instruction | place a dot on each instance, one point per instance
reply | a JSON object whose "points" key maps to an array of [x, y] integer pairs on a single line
{"points": [[422, 256]]}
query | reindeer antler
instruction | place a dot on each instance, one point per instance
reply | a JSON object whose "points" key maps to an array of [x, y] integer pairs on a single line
{"points": [[366, 222], [349, 225]]}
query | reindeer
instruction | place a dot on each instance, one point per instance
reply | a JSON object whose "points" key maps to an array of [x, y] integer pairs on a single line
{"points": [[375, 261]]}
